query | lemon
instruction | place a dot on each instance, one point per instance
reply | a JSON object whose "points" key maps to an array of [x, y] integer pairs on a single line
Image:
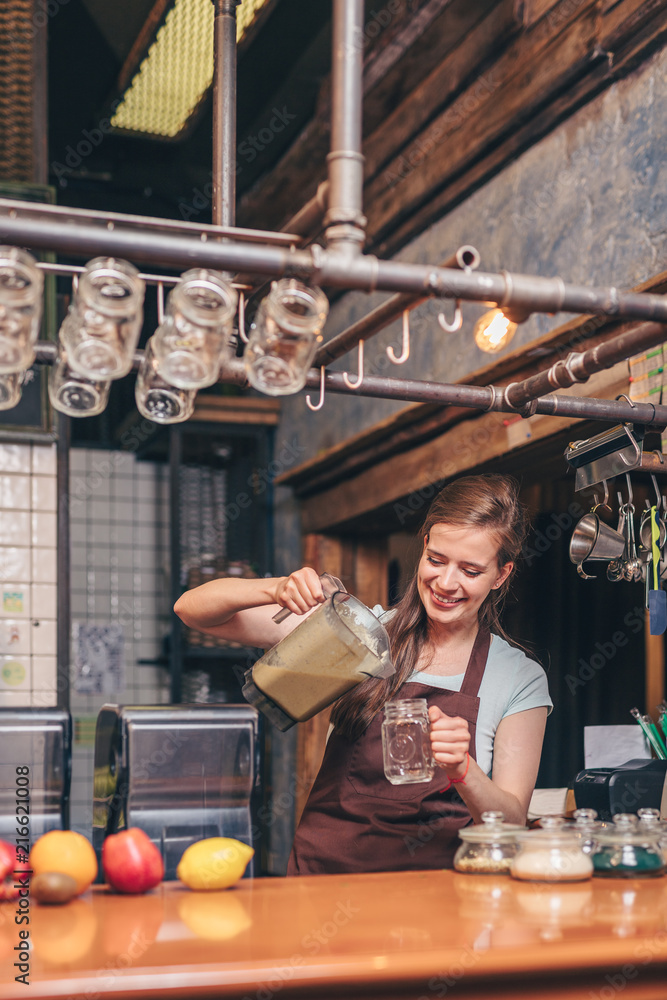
{"points": [[214, 863]]}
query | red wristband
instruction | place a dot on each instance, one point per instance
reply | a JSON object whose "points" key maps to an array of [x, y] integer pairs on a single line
{"points": [[458, 781]]}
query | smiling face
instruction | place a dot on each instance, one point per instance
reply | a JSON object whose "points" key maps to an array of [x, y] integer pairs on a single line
{"points": [[457, 571]]}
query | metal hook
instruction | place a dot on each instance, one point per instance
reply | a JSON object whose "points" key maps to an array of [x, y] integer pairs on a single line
{"points": [[630, 493], [663, 500], [360, 378], [405, 343], [320, 402], [605, 502], [458, 319], [638, 452], [160, 303], [658, 494], [242, 334]]}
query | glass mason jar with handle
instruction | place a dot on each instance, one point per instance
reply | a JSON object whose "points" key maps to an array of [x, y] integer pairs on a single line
{"points": [[158, 400], [21, 287], [284, 337], [195, 337], [101, 330], [75, 394], [406, 745]]}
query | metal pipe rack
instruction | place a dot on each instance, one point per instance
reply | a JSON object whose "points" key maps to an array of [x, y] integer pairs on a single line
{"points": [[177, 246]]}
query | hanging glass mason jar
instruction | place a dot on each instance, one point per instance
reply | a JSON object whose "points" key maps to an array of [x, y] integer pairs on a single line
{"points": [[284, 337], [101, 330], [195, 337]]}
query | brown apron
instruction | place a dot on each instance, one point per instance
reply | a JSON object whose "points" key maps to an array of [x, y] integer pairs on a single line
{"points": [[357, 821]]}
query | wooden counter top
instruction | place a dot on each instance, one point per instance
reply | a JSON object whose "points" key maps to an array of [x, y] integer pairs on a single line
{"points": [[415, 934]]}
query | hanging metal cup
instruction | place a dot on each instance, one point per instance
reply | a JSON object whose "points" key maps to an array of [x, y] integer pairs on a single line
{"points": [[593, 539]]}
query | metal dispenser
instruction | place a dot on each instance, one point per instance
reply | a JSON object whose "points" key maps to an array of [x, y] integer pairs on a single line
{"points": [[179, 772], [41, 739]]}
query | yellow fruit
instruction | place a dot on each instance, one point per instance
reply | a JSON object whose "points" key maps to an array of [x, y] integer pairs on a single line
{"points": [[214, 863], [214, 917], [68, 852]]}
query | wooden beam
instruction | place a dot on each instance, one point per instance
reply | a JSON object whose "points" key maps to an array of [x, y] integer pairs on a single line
{"points": [[480, 47], [391, 69], [371, 571], [626, 18], [632, 49], [540, 64], [237, 410], [536, 9], [424, 155]]}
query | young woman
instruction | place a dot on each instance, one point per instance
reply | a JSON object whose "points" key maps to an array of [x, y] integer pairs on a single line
{"points": [[488, 702]]}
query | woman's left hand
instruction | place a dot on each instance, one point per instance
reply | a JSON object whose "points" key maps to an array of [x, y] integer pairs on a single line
{"points": [[450, 741]]}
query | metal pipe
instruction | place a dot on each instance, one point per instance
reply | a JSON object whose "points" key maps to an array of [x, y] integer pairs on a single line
{"points": [[380, 317], [344, 220], [63, 630], [325, 267], [45, 214], [578, 367], [415, 391], [176, 636], [307, 220], [471, 396], [492, 398], [224, 113]]}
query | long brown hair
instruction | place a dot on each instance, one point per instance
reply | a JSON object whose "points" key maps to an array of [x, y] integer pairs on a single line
{"points": [[488, 502]]}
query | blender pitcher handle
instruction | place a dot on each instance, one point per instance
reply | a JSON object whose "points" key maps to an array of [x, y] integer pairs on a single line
{"points": [[330, 585]]}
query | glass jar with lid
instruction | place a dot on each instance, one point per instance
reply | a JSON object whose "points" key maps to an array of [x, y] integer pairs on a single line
{"points": [[651, 821], [586, 826], [488, 847], [629, 849], [553, 853]]}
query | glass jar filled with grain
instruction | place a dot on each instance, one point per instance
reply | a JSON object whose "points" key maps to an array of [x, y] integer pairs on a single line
{"points": [[488, 847]]}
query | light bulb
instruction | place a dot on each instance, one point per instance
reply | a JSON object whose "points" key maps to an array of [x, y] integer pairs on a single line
{"points": [[493, 331]]}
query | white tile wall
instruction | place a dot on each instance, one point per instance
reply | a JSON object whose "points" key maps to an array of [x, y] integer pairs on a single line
{"points": [[27, 574], [44, 528], [119, 561], [16, 458]]}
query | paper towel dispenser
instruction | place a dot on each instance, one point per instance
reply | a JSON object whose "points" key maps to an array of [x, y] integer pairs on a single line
{"points": [[179, 772]]}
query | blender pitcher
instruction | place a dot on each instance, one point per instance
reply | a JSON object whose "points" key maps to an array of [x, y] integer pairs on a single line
{"points": [[337, 646]]}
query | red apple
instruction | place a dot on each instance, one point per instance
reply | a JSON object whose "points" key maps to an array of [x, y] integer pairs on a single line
{"points": [[7, 859], [11, 862], [131, 861]]}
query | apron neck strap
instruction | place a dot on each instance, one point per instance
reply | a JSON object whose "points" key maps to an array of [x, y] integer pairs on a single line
{"points": [[476, 663]]}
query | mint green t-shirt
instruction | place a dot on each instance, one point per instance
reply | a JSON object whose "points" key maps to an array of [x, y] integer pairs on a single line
{"points": [[512, 683]]}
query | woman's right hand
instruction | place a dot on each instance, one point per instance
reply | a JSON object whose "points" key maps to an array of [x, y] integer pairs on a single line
{"points": [[300, 591]]}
